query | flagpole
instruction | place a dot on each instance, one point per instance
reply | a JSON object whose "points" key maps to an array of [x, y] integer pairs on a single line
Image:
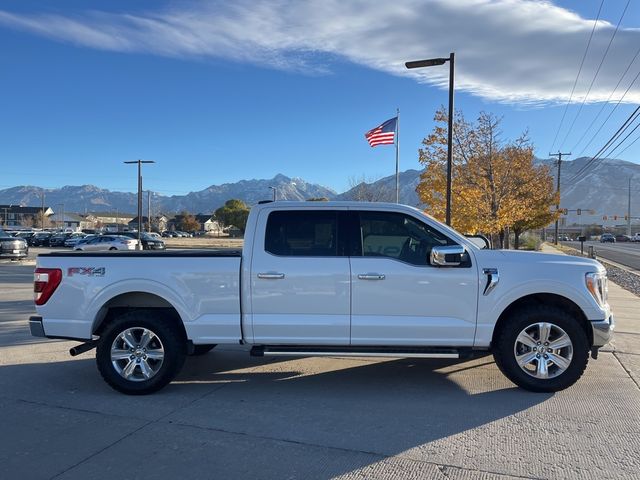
{"points": [[397, 155]]}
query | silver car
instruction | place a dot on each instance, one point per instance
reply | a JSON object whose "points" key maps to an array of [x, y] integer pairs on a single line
{"points": [[107, 242], [12, 247], [73, 240]]}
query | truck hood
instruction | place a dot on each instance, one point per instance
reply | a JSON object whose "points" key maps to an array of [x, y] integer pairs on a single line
{"points": [[496, 258]]}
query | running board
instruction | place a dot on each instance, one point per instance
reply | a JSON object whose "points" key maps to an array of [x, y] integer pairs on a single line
{"points": [[397, 352]]}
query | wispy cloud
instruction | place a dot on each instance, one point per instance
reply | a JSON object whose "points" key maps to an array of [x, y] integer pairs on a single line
{"points": [[515, 51]]}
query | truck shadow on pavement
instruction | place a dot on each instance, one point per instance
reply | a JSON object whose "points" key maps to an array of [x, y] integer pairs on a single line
{"points": [[355, 412]]}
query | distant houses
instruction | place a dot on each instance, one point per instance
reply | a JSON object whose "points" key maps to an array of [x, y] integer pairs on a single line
{"points": [[16, 217]]}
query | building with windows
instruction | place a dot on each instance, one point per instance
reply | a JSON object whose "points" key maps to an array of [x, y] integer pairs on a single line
{"points": [[16, 216]]}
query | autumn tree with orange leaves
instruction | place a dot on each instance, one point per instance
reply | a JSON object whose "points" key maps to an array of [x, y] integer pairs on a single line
{"points": [[495, 183]]}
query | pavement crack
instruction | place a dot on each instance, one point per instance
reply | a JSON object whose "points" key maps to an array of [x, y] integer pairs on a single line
{"points": [[106, 447], [626, 370], [114, 443], [381, 456]]}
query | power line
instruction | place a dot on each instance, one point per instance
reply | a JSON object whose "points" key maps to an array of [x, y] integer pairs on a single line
{"points": [[623, 140], [584, 56], [610, 113], [625, 148], [634, 115], [596, 74], [575, 147]]}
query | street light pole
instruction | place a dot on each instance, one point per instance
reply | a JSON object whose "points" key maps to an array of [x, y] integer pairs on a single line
{"points": [[274, 192], [140, 162], [430, 63], [60, 220]]}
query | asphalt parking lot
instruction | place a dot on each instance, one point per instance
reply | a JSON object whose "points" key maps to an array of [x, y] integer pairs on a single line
{"points": [[233, 416]]}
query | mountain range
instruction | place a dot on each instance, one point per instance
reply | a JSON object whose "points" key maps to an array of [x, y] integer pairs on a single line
{"points": [[603, 188]]}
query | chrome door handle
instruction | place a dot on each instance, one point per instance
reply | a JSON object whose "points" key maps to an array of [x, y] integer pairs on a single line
{"points": [[371, 276], [271, 275]]}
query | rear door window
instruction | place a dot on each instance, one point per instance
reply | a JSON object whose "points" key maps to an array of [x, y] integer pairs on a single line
{"points": [[303, 233]]}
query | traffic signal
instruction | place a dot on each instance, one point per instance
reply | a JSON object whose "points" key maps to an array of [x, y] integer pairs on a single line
{"points": [[626, 217], [604, 217], [579, 211], [615, 217]]}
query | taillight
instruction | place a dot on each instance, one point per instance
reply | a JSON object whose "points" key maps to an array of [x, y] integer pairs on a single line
{"points": [[45, 282]]}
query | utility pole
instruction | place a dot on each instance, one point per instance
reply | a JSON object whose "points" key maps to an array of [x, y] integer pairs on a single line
{"points": [[42, 209], [629, 210], [140, 162], [559, 155], [149, 211]]}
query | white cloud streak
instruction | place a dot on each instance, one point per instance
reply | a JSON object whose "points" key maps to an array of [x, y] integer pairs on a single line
{"points": [[512, 51]]}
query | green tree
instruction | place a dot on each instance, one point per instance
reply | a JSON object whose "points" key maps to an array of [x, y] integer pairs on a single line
{"points": [[234, 212]]}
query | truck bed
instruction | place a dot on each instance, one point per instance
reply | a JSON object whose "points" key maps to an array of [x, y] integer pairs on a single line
{"points": [[183, 253], [203, 286]]}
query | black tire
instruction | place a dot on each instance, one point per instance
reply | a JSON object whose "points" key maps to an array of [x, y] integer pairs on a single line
{"points": [[168, 340], [113, 248], [202, 349], [530, 376]]}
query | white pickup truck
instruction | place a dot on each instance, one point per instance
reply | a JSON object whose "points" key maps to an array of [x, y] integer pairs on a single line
{"points": [[333, 279]]}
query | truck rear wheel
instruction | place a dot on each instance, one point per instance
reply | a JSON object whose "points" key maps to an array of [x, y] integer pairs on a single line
{"points": [[140, 352], [542, 349]]}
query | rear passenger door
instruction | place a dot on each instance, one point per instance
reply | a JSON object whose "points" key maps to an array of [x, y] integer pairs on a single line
{"points": [[300, 278]]}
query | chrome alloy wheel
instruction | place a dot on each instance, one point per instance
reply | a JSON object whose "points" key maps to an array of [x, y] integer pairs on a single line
{"points": [[543, 350], [137, 354]]}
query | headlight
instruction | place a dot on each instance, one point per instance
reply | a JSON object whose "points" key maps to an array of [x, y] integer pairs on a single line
{"points": [[598, 287]]}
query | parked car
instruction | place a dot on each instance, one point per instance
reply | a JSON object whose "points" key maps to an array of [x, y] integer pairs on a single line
{"points": [[87, 238], [40, 239], [12, 247], [107, 242], [74, 238], [607, 238], [26, 235], [149, 242], [58, 239], [636, 238], [623, 238]]}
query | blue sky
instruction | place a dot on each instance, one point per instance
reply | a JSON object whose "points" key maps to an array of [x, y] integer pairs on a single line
{"points": [[216, 92]]}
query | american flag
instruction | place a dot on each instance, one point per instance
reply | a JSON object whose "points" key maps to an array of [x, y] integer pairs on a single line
{"points": [[383, 134]]}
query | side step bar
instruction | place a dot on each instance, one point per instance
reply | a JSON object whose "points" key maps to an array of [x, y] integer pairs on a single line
{"points": [[397, 352]]}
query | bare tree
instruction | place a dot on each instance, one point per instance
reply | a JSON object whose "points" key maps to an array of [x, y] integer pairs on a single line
{"points": [[363, 189]]}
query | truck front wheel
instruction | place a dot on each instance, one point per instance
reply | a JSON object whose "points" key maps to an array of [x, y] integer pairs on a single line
{"points": [[140, 352], [542, 349]]}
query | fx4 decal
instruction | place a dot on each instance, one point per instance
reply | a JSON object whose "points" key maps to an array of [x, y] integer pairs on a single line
{"points": [[90, 271]]}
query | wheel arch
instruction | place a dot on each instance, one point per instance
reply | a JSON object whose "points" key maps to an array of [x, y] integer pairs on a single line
{"points": [[546, 299], [131, 301]]}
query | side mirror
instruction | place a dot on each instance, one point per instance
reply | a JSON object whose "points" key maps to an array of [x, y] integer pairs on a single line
{"points": [[447, 256], [480, 241]]}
